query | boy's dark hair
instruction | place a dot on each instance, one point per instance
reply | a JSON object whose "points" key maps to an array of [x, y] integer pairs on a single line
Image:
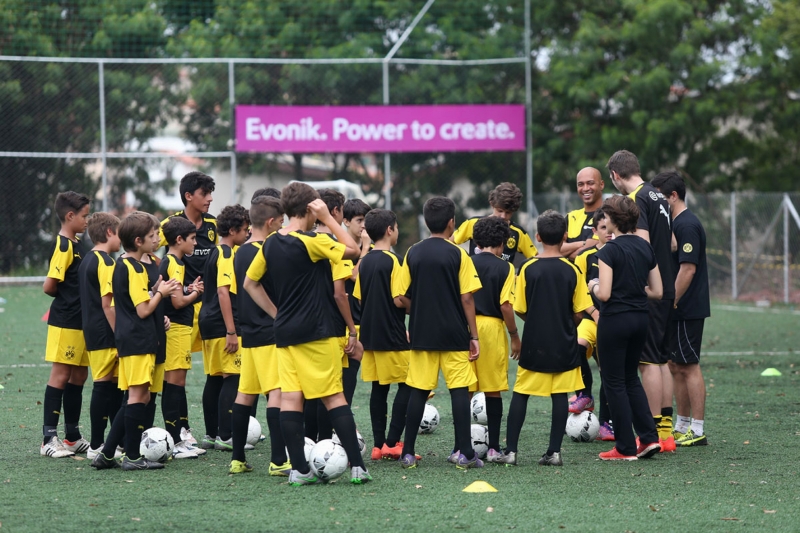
{"points": [[193, 181], [438, 211], [551, 227], [622, 212], [135, 226], [669, 182], [232, 217], [263, 208], [69, 201], [177, 227], [267, 191], [295, 198], [332, 198], [490, 232], [99, 224], [598, 215], [506, 196], [377, 221], [624, 163], [355, 208]]}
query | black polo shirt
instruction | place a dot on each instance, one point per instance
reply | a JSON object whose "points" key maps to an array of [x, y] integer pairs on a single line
{"points": [[691, 237], [132, 335], [654, 216], [631, 258], [497, 280], [96, 275], [257, 326], [65, 310], [383, 327]]}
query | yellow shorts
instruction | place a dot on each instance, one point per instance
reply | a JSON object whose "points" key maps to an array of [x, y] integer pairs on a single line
{"points": [[491, 368], [313, 368], [587, 330], [543, 384], [197, 340], [157, 385], [179, 347], [66, 346], [385, 367], [103, 362], [259, 370], [137, 370], [217, 361], [423, 369]]}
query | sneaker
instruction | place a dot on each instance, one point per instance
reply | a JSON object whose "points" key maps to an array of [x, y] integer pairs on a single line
{"points": [[207, 443], [55, 448], [359, 476], [646, 451], [247, 446], [614, 455], [186, 436], [262, 438], [408, 461], [464, 463], [280, 470], [226, 445], [582, 403], [551, 460], [454, 457], [79, 446], [491, 455], [240, 467], [296, 479], [91, 453], [140, 464], [507, 458], [101, 462], [668, 445], [393, 452], [197, 450], [677, 435], [376, 454], [690, 439], [183, 450], [606, 432]]}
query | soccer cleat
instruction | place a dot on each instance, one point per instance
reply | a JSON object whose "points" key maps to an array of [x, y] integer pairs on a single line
{"points": [[454, 457], [464, 463], [280, 470], [606, 432], [296, 479], [79, 446], [690, 439], [101, 462], [491, 455], [240, 467], [392, 452], [668, 445], [56, 449], [186, 436], [359, 476], [551, 460], [677, 435], [614, 455], [408, 461], [646, 451], [207, 443], [140, 464], [506, 458], [376, 454], [199, 451], [92, 453], [262, 438], [247, 446], [225, 445], [183, 450], [582, 403]]}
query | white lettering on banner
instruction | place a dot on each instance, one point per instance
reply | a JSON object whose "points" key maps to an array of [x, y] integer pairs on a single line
{"points": [[452, 131], [305, 130], [367, 132]]}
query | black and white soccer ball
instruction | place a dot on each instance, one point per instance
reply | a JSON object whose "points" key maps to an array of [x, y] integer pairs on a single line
{"points": [[328, 460], [253, 431], [582, 427], [156, 445], [478, 405], [480, 439], [362, 444], [430, 419]]}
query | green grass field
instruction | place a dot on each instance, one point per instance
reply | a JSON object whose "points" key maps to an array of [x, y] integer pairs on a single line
{"points": [[747, 479]]}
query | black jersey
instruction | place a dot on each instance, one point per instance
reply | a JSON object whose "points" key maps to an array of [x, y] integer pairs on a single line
{"points": [[96, 279], [691, 239], [579, 225], [588, 263], [206, 241], [218, 273], [299, 281], [257, 325], [173, 268], [152, 269], [550, 291], [384, 324], [518, 241], [631, 258], [132, 335], [655, 218], [497, 280], [435, 274], [65, 311]]}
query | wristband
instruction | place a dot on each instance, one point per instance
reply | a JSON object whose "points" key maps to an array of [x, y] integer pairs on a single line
{"points": [[513, 333], [354, 334], [473, 338], [231, 333]]}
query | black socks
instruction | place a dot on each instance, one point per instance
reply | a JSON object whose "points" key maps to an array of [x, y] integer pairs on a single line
{"points": [[416, 408], [459, 399], [240, 420], [52, 411], [558, 421], [116, 435], [73, 401], [171, 410], [227, 395], [378, 409], [586, 372], [135, 419], [399, 410], [516, 417], [278, 445], [292, 429], [350, 380], [342, 419], [103, 393], [494, 414], [211, 404]]}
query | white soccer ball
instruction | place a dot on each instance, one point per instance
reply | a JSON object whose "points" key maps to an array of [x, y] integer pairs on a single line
{"points": [[430, 419], [253, 431], [582, 427], [156, 445], [362, 444], [478, 405], [480, 439], [328, 460], [309, 443]]}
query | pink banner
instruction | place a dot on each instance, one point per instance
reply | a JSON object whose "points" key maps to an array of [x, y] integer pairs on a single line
{"points": [[415, 128]]}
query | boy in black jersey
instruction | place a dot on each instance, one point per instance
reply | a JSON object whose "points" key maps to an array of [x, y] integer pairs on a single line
{"points": [[219, 329], [353, 213], [66, 347], [383, 333], [494, 313], [295, 265], [439, 278], [259, 372], [96, 274], [180, 235], [552, 292]]}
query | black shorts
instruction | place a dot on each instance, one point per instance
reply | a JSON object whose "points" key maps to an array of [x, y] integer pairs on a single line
{"points": [[655, 348], [684, 338]]}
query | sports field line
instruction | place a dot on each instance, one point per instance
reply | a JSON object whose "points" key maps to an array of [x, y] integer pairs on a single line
{"points": [[748, 309]]}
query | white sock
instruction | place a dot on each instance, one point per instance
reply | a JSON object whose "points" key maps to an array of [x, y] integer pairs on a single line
{"points": [[697, 427], [682, 424]]}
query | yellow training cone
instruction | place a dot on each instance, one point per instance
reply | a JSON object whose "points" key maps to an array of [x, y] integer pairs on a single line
{"points": [[771, 372], [479, 486]]}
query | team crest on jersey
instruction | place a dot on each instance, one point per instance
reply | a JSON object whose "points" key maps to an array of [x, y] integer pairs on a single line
{"points": [[511, 243], [653, 196], [687, 248], [70, 353], [211, 235]]}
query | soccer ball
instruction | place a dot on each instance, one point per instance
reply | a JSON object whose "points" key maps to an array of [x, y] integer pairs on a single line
{"points": [[328, 460], [478, 405], [480, 440], [430, 419], [582, 427], [253, 431], [156, 445], [362, 444], [309, 444]]}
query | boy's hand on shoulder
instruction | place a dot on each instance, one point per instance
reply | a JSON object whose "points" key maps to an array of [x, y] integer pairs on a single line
{"points": [[474, 349]]}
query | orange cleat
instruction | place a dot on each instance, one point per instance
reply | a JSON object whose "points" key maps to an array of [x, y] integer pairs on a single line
{"points": [[377, 455], [668, 445], [614, 455]]}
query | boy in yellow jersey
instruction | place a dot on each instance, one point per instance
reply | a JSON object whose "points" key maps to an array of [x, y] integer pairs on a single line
{"points": [[66, 347], [439, 279], [494, 314], [295, 264], [552, 292], [96, 274]]}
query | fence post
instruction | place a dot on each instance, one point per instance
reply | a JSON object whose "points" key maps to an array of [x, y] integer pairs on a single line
{"points": [[387, 159], [734, 259], [101, 82], [785, 204], [529, 118], [232, 103]]}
